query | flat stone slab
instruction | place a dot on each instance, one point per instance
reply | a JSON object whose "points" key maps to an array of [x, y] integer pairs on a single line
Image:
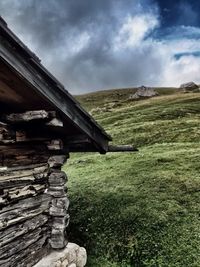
{"points": [[71, 256]]}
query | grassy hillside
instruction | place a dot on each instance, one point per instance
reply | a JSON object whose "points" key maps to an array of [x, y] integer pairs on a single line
{"points": [[140, 209]]}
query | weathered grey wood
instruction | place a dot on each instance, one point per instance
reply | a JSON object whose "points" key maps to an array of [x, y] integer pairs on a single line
{"points": [[57, 161], [121, 148], [58, 178], [22, 224], [59, 207], [23, 148], [20, 244], [41, 81], [14, 232], [21, 167], [57, 191], [55, 144], [35, 253], [26, 257], [23, 154], [14, 194], [28, 116], [24, 181], [23, 210], [61, 220], [58, 238], [12, 174]]}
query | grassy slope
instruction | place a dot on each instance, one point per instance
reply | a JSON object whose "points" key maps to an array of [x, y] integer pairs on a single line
{"points": [[140, 209]]}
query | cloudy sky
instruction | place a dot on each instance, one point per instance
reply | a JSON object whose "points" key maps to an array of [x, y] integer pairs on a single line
{"points": [[100, 44]]}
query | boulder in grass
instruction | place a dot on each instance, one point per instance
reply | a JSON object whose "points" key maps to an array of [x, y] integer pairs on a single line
{"points": [[144, 92], [189, 87]]}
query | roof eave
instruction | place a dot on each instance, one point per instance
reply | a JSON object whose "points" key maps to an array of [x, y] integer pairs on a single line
{"points": [[28, 67]]}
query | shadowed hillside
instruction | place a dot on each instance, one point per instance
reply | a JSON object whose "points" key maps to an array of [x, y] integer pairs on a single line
{"points": [[140, 209]]}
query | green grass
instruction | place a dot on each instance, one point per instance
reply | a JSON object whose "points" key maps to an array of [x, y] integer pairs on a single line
{"points": [[140, 209]]}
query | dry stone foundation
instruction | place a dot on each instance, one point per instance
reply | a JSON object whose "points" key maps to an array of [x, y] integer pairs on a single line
{"points": [[71, 256]]}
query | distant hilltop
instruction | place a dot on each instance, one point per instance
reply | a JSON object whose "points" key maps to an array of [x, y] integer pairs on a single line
{"points": [[107, 100], [147, 92]]}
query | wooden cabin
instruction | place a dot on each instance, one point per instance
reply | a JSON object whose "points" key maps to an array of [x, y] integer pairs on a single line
{"points": [[40, 124]]}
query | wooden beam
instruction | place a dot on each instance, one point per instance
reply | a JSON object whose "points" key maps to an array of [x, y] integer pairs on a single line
{"points": [[44, 84], [29, 116], [77, 139]]}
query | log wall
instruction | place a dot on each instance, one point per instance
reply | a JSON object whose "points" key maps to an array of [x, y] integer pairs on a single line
{"points": [[24, 215], [33, 202]]}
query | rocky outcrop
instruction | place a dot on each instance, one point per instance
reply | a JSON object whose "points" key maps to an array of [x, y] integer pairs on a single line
{"points": [[144, 92], [189, 87], [71, 256]]}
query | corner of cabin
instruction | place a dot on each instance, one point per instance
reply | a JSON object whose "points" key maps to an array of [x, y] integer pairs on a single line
{"points": [[40, 124]]}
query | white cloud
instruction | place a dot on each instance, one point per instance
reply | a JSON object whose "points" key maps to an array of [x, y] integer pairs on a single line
{"points": [[134, 30], [177, 71], [76, 43], [186, 69], [107, 50]]}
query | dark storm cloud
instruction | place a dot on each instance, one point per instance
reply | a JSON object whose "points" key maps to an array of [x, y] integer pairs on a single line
{"points": [[52, 26], [92, 45], [49, 20]]}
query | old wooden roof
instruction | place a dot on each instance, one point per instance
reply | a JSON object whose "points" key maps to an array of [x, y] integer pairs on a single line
{"points": [[25, 84]]}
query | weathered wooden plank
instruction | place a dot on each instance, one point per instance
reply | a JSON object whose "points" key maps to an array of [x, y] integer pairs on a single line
{"points": [[58, 238], [25, 204], [11, 174], [26, 256], [23, 148], [21, 167], [57, 161], [28, 116], [24, 181], [25, 137], [7, 236], [20, 244], [27, 251], [23, 210], [55, 144], [61, 220], [57, 178], [35, 253], [23, 154], [13, 194], [60, 98], [59, 207], [57, 191], [23, 176]]}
